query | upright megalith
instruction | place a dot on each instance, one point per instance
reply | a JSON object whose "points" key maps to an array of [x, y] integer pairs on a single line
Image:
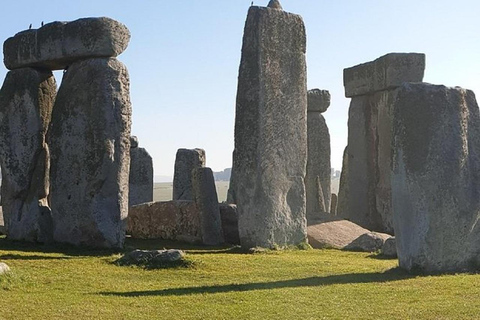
{"points": [[435, 178], [365, 194], [318, 174], [26, 101], [141, 174], [185, 161], [56, 45], [89, 140], [205, 196], [270, 154]]}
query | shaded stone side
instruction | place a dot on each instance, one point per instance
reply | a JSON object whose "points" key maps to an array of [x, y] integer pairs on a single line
{"points": [[57, 45], [26, 101], [229, 216], [205, 195], [435, 178], [141, 177], [185, 161], [169, 220], [89, 140], [270, 130], [318, 173]]}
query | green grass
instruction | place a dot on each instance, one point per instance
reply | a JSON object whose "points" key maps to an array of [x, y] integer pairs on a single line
{"points": [[68, 283]]}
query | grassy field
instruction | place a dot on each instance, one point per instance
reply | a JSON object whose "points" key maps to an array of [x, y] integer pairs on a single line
{"points": [[66, 283]]}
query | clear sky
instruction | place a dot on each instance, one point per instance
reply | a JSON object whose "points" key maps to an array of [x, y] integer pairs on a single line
{"points": [[183, 58]]}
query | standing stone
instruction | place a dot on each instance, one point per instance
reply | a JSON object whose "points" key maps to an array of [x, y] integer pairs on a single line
{"points": [[365, 197], [205, 195], [229, 216], [141, 175], [271, 130], [435, 178], [26, 101], [90, 154], [318, 174], [185, 161], [333, 204]]}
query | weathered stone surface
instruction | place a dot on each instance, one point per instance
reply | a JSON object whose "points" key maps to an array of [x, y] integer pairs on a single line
{"points": [[435, 178], [205, 195], [318, 100], [4, 268], [2, 223], [271, 130], [141, 177], [170, 220], [186, 160], [333, 232], [151, 257], [386, 72], [26, 101], [368, 242], [57, 45], [229, 216], [389, 248], [89, 142], [333, 204], [318, 173]]}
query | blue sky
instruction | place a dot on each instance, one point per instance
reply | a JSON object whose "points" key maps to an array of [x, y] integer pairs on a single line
{"points": [[183, 58]]}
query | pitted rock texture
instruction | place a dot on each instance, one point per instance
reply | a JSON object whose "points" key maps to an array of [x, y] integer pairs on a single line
{"points": [[275, 4], [89, 142], [169, 220], [318, 100], [385, 73], [435, 175], [26, 101], [57, 45], [186, 160], [141, 177], [271, 130], [205, 195], [318, 174]]}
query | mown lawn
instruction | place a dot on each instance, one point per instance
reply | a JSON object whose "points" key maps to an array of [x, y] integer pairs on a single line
{"points": [[67, 283]]}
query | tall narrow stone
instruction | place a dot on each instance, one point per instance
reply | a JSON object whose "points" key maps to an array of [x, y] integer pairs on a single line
{"points": [[26, 101], [205, 195], [318, 174], [141, 175], [435, 178], [365, 197], [271, 130], [90, 154], [185, 161]]}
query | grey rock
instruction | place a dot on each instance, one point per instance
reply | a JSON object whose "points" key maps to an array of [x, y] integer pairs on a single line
{"points": [[368, 242], [26, 101], [318, 100], [271, 131], [274, 4], [4, 268], [318, 173], [333, 204], [57, 45], [170, 220], [205, 195], [141, 177], [89, 140], [2, 223], [384, 73], [389, 248], [186, 160], [151, 257], [435, 175], [229, 216], [133, 142]]}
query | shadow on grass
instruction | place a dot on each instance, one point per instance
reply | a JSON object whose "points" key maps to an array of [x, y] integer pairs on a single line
{"points": [[394, 274], [29, 257], [378, 256]]}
